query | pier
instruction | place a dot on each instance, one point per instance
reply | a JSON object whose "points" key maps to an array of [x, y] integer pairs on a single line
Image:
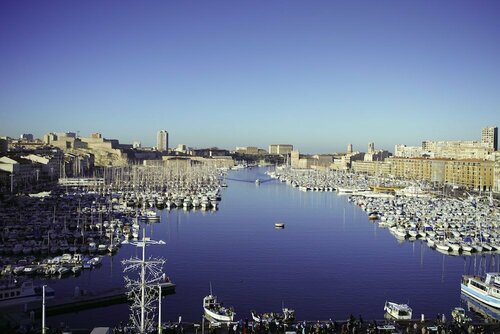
{"points": [[95, 299], [85, 300]]}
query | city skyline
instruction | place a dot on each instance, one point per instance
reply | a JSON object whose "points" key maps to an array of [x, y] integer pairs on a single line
{"points": [[318, 75]]}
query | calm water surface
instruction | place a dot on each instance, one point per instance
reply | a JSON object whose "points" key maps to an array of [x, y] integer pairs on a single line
{"points": [[329, 261]]}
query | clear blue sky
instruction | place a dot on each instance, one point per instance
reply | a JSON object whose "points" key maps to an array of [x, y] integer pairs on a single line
{"points": [[316, 74]]}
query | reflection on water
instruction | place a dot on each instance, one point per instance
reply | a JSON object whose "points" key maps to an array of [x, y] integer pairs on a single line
{"points": [[329, 261]]}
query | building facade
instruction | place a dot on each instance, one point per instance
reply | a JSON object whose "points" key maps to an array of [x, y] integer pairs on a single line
{"points": [[489, 137], [472, 174], [374, 168], [496, 172], [162, 141], [248, 150], [282, 149], [403, 151]]}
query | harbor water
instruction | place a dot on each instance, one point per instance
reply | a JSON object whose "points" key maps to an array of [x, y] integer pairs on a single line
{"points": [[329, 261]]}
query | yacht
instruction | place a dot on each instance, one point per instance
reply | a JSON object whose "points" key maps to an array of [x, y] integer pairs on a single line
{"points": [[485, 289]]}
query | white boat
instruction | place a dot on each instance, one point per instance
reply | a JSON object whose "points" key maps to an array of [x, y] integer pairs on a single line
{"points": [[287, 315], [279, 225], [265, 317], [442, 246], [15, 292], [485, 289], [455, 246], [92, 248], [101, 248], [345, 190], [215, 311], [399, 232], [398, 311], [150, 215], [431, 242], [458, 315], [96, 261]]}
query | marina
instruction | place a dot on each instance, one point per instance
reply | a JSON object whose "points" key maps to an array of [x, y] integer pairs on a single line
{"points": [[451, 224], [255, 167], [223, 246], [67, 230]]}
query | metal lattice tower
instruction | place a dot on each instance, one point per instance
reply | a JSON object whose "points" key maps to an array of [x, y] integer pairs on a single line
{"points": [[143, 291]]}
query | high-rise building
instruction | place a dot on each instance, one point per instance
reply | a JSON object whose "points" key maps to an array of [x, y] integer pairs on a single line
{"points": [[349, 148], [162, 141], [489, 136]]}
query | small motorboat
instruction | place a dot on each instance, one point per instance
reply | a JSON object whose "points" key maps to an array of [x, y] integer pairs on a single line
{"points": [[279, 225], [265, 317], [398, 311], [458, 315], [215, 311], [288, 315]]}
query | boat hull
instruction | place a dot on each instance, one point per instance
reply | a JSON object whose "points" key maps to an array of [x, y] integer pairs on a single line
{"points": [[486, 299], [218, 317]]}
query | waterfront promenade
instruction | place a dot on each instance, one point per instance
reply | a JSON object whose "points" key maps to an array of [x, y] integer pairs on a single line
{"points": [[352, 325]]}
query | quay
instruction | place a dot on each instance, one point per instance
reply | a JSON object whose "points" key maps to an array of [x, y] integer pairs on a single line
{"points": [[302, 327], [88, 300], [84, 300], [351, 325]]}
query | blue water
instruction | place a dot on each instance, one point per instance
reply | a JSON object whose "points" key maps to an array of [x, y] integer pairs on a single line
{"points": [[330, 261]]}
